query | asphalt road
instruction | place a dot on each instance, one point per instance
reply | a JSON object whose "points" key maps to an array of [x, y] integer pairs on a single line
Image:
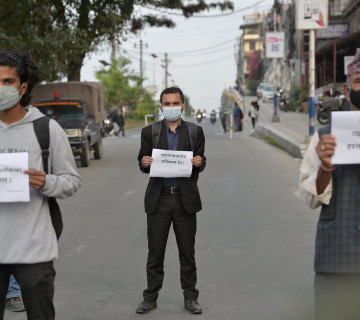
{"points": [[255, 240]]}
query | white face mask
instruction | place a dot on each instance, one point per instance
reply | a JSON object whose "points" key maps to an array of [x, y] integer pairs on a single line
{"points": [[9, 97], [172, 114]]}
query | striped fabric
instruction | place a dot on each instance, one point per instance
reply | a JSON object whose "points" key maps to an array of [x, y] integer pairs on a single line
{"points": [[337, 247]]}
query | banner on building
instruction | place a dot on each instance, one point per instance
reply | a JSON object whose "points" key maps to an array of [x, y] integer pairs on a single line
{"points": [[312, 14], [275, 44], [335, 30]]}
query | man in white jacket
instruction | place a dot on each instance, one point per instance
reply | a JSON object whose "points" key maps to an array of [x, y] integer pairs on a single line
{"points": [[28, 243]]}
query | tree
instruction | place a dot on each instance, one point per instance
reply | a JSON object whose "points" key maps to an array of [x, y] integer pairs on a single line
{"points": [[123, 89], [64, 31]]}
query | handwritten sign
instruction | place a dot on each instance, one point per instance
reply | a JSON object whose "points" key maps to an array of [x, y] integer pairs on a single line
{"points": [[171, 164], [14, 184], [345, 126]]}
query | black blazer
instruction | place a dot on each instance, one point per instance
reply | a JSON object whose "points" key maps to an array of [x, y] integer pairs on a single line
{"points": [[188, 186]]}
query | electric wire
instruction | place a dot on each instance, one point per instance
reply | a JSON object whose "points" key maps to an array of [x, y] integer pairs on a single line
{"points": [[206, 16]]}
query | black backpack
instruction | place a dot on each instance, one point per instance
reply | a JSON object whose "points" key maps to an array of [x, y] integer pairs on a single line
{"points": [[41, 128]]}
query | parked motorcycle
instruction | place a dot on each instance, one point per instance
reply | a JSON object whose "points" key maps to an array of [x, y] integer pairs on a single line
{"points": [[281, 101], [324, 109]]}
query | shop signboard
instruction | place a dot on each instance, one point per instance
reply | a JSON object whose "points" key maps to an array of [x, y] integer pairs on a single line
{"points": [[312, 14], [336, 30], [275, 44]]}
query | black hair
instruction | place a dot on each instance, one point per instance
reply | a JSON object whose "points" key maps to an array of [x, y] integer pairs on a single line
{"points": [[172, 90], [25, 69]]}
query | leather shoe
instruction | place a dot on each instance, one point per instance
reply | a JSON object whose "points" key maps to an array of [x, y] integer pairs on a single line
{"points": [[192, 306], [146, 307]]}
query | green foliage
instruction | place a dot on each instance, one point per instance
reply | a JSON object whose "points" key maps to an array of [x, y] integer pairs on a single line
{"points": [[123, 89], [297, 95], [251, 87], [59, 34]]}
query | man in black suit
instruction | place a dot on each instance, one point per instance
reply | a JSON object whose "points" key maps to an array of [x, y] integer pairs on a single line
{"points": [[172, 200]]}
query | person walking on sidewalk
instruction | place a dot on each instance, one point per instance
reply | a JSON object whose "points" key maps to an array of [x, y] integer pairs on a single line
{"points": [[27, 236], [238, 117], [336, 189], [254, 113], [172, 200]]}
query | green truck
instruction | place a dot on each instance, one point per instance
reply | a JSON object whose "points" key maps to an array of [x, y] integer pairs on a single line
{"points": [[79, 107]]}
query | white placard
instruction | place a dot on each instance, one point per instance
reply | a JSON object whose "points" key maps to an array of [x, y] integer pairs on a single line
{"points": [[14, 184], [275, 44], [171, 164], [312, 14], [345, 126]]}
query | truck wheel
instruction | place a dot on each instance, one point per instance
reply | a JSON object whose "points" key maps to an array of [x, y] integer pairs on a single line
{"points": [[98, 148], [85, 156]]}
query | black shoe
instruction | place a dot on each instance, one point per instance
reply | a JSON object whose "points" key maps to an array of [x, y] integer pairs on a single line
{"points": [[146, 307], [192, 306]]}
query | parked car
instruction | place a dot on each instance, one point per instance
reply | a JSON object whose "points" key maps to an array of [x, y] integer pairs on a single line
{"points": [[260, 89], [268, 93]]}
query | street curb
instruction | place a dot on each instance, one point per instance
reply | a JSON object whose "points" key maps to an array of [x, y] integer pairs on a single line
{"points": [[294, 148]]}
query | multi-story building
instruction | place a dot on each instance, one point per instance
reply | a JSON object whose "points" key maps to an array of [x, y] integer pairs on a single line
{"points": [[336, 43], [252, 40]]}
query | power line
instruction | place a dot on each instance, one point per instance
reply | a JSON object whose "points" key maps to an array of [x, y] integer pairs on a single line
{"points": [[208, 16], [201, 64]]}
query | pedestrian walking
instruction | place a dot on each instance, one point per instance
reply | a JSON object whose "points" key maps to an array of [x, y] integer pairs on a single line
{"points": [[14, 300], [223, 118], [336, 190], [121, 123], [254, 113], [172, 200], [238, 117], [27, 235], [114, 118]]}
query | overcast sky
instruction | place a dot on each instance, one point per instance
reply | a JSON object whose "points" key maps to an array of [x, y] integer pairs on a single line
{"points": [[201, 53]]}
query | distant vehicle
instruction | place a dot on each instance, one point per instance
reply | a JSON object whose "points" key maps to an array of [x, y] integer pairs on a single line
{"points": [[268, 93], [79, 107], [281, 101], [260, 89], [213, 116]]}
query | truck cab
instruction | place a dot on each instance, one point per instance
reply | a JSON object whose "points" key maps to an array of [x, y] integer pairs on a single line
{"points": [[83, 127]]}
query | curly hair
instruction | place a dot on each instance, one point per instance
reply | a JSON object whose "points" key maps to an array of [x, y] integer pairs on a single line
{"points": [[25, 69]]}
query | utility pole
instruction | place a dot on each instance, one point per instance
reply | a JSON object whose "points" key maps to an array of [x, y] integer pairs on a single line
{"points": [[166, 61], [141, 56], [113, 50]]}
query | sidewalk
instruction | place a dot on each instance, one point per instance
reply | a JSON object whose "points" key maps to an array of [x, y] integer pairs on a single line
{"points": [[290, 133]]}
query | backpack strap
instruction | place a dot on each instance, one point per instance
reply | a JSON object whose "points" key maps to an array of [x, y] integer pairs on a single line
{"points": [[192, 127], [42, 132], [156, 129], [41, 128]]}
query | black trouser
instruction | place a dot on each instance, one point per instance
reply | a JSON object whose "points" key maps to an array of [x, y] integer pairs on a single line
{"points": [[122, 129], [337, 296], [253, 122], [37, 288], [171, 210]]}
